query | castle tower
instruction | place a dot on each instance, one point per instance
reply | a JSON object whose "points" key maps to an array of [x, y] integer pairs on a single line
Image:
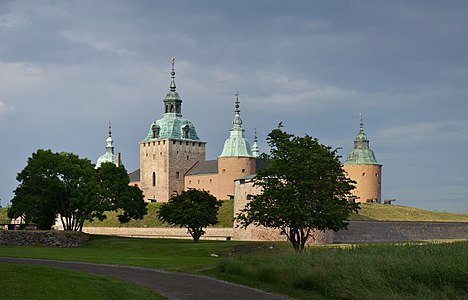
{"points": [[236, 160], [363, 168], [170, 149], [109, 156]]}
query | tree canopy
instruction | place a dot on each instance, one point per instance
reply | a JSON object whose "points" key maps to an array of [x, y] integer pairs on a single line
{"points": [[303, 188], [193, 209], [63, 184]]}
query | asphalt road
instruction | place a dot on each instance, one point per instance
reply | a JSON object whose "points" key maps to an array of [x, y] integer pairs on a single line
{"points": [[168, 284]]}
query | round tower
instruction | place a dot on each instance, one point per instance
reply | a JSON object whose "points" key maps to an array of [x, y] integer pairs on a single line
{"points": [[236, 160], [363, 168]]}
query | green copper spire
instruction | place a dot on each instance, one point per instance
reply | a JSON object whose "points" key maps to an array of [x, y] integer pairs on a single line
{"points": [[361, 153], [236, 144], [255, 148], [109, 155], [172, 125]]}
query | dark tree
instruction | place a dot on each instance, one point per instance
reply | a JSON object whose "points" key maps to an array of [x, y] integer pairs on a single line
{"points": [[192, 209], [63, 184], [304, 188], [115, 193]]}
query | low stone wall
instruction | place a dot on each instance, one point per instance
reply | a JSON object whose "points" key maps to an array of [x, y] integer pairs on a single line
{"points": [[161, 232], [395, 231], [44, 238], [358, 232]]}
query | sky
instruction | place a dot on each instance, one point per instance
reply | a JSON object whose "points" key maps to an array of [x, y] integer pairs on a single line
{"points": [[67, 68]]}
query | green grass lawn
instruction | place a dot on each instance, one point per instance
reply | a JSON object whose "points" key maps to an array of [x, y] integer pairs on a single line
{"points": [[37, 282], [387, 271]]}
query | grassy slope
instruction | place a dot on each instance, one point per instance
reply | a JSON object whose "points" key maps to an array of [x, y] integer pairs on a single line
{"points": [[225, 217], [373, 211], [369, 211]]}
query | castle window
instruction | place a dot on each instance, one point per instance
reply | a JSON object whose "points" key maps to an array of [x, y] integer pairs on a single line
{"points": [[180, 142], [199, 144], [159, 143], [376, 174], [198, 181], [154, 179], [173, 142], [186, 143], [177, 175], [243, 170], [190, 182], [188, 158], [185, 131], [154, 143], [224, 171], [363, 174], [193, 144], [211, 180]]}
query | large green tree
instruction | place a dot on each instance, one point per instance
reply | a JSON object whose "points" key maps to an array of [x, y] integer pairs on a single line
{"points": [[303, 188], [63, 184], [193, 209]]}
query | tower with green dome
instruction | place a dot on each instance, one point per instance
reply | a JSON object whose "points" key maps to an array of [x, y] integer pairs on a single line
{"points": [[236, 159], [109, 156], [170, 148], [362, 167]]}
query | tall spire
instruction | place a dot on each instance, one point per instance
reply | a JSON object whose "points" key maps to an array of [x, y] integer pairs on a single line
{"points": [[237, 144], [255, 148], [109, 155], [237, 122], [172, 86], [361, 153], [172, 102], [109, 141]]}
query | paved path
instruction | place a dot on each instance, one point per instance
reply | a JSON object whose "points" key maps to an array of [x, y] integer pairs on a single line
{"points": [[168, 284]]}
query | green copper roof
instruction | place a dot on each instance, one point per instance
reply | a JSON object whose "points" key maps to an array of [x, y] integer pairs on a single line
{"points": [[361, 153], [236, 144], [172, 125], [109, 155]]}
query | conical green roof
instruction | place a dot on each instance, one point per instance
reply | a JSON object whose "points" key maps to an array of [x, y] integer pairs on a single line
{"points": [[236, 144], [361, 153]]}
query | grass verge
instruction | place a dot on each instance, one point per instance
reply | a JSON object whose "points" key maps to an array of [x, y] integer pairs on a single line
{"points": [[36, 282]]}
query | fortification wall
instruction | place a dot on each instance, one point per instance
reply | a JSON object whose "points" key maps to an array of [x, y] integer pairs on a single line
{"points": [[161, 232], [43, 238], [394, 231]]}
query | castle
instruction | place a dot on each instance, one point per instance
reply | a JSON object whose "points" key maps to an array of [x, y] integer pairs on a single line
{"points": [[173, 158]]}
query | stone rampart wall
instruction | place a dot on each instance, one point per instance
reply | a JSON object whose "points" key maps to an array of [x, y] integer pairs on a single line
{"points": [[161, 232], [44, 238], [358, 232], [394, 231]]}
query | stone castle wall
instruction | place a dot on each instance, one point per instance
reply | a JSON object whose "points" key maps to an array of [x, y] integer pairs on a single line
{"points": [[231, 168], [43, 238], [167, 161], [160, 232], [207, 182], [368, 181]]}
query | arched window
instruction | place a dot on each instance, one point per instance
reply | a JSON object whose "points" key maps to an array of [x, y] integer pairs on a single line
{"points": [[177, 175], [154, 179]]}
